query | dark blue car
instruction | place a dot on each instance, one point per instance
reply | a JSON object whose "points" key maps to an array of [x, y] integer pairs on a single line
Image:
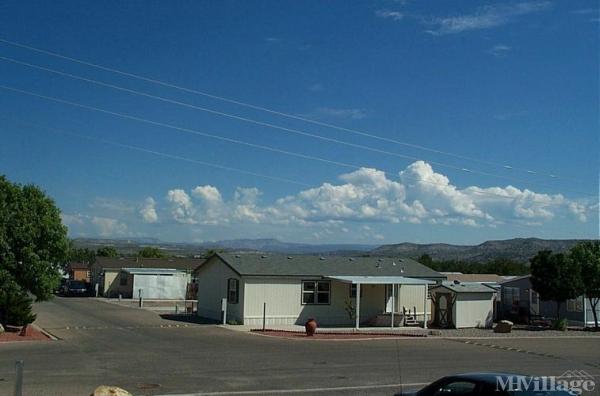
{"points": [[492, 384]]}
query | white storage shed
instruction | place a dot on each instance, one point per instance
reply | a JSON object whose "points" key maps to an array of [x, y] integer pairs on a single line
{"points": [[462, 305]]}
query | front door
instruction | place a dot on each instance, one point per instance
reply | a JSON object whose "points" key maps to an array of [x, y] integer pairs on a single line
{"points": [[443, 309]]}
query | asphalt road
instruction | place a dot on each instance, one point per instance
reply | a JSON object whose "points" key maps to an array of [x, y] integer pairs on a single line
{"points": [[102, 343]]}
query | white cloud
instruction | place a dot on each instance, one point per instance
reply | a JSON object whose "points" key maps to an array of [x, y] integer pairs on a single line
{"points": [[329, 112], [418, 195], [108, 227], [388, 14], [182, 208], [485, 17], [148, 211], [72, 219], [499, 50]]}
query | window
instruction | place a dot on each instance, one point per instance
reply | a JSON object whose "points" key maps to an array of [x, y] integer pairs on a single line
{"points": [[233, 286], [457, 388], [315, 292], [511, 295], [353, 291], [575, 305]]}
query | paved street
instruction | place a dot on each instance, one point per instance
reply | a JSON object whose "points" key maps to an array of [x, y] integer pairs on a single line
{"points": [[102, 343]]}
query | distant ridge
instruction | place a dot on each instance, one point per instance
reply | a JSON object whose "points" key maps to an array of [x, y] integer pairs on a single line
{"points": [[518, 249], [132, 245]]}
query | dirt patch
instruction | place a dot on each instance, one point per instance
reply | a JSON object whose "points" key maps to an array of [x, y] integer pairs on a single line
{"points": [[324, 335], [12, 334]]}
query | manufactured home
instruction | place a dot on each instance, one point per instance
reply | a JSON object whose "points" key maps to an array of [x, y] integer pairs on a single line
{"points": [[162, 277], [334, 290], [521, 303]]}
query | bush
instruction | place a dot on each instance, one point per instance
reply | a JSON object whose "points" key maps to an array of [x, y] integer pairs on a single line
{"points": [[15, 307], [559, 324]]}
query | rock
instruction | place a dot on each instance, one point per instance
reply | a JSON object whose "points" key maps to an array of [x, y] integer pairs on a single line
{"points": [[504, 326], [110, 391]]}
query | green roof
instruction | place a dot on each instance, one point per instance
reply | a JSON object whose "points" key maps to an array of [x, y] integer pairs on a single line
{"points": [[252, 264]]}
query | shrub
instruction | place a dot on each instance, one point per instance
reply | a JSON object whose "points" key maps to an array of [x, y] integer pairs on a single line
{"points": [[559, 324]]}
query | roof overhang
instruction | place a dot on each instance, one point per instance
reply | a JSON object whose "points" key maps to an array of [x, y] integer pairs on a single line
{"points": [[151, 271], [381, 280]]}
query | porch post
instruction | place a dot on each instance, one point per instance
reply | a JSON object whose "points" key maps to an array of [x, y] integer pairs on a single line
{"points": [[425, 308], [357, 325], [393, 303]]}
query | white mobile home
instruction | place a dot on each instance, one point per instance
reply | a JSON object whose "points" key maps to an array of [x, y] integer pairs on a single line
{"points": [[289, 290]]}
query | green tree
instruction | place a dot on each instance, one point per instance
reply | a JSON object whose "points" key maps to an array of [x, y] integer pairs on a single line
{"points": [[587, 256], [150, 252], [425, 259], [555, 277], [33, 244], [107, 251], [81, 255]]}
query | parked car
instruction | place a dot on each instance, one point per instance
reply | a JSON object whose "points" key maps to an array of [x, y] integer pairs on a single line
{"points": [[61, 285], [483, 384], [74, 288]]}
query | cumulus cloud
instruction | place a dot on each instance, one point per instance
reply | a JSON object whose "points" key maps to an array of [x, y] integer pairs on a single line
{"points": [[182, 208], [148, 211], [416, 195], [109, 227]]}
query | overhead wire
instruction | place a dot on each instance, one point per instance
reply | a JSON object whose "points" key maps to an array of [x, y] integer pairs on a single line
{"points": [[230, 140], [275, 112], [261, 123]]}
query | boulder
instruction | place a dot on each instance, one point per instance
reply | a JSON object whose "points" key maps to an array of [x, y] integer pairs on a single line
{"points": [[110, 391], [504, 326]]}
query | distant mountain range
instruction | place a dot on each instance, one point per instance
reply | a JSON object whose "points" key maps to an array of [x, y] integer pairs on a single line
{"points": [[130, 246], [520, 249]]}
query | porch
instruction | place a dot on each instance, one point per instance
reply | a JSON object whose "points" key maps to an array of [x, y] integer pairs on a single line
{"points": [[394, 310]]}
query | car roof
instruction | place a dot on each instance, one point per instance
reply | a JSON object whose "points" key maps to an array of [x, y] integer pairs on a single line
{"points": [[489, 378]]}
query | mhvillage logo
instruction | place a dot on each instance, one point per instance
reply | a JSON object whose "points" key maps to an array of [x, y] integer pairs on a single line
{"points": [[575, 381]]}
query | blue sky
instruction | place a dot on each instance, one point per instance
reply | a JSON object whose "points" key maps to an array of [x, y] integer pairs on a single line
{"points": [[486, 84]]}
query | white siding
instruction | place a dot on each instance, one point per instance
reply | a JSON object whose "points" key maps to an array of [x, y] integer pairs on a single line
{"points": [[159, 286], [473, 310], [284, 302], [212, 279], [411, 297]]}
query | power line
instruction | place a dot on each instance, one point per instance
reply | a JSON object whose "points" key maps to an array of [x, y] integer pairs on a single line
{"points": [[166, 155], [196, 132], [209, 164], [290, 130], [278, 113]]}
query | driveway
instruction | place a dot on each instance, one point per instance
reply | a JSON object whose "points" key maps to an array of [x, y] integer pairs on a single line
{"points": [[104, 343]]}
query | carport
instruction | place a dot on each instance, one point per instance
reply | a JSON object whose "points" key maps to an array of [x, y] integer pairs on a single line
{"points": [[394, 282]]}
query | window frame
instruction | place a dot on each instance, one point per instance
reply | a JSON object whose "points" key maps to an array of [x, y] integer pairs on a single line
{"points": [[235, 289], [315, 292]]}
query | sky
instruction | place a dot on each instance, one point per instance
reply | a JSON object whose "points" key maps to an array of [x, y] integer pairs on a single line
{"points": [[341, 122]]}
